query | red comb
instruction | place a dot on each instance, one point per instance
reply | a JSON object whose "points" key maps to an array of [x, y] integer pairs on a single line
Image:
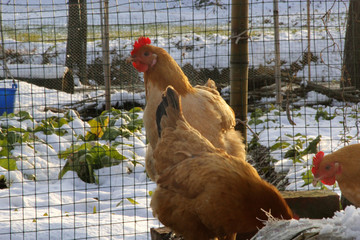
{"points": [[316, 161], [142, 41]]}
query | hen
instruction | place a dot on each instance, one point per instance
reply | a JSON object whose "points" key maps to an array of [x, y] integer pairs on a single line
{"points": [[342, 166], [203, 192], [203, 107]]}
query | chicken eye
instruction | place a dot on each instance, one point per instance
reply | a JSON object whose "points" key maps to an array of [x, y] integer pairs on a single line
{"points": [[328, 167], [146, 54]]}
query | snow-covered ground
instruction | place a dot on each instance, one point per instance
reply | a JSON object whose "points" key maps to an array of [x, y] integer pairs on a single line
{"points": [[344, 225], [118, 206], [48, 208]]}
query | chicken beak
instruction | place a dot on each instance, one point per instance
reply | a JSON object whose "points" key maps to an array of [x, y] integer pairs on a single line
{"points": [[315, 181], [130, 59]]}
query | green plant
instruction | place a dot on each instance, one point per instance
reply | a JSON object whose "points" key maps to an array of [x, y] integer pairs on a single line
{"points": [[11, 136], [254, 117], [52, 125], [87, 157], [296, 152], [104, 126], [320, 113]]}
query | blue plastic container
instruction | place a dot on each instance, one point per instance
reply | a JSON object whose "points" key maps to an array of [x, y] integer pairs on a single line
{"points": [[7, 99]]}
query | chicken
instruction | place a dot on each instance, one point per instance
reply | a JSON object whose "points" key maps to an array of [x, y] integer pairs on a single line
{"points": [[342, 166], [203, 192], [203, 107]]}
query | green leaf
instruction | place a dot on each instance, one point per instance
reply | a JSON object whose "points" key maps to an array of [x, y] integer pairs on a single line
{"points": [[46, 127], [16, 129], [108, 162], [255, 121], [292, 153], [312, 147], [125, 116], [98, 151], [9, 164], [60, 132], [307, 177], [24, 116], [65, 169], [298, 159], [113, 153], [135, 125], [70, 151], [257, 113], [111, 133], [124, 132], [97, 126], [323, 114], [110, 112], [13, 137], [279, 145], [132, 201], [4, 151], [119, 203], [135, 109]]}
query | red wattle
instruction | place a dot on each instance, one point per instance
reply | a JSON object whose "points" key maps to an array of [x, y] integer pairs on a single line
{"points": [[328, 181], [140, 67]]}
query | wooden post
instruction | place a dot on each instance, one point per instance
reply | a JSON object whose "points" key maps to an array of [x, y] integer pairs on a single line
{"points": [[83, 38], [239, 61], [106, 52], [309, 42], [351, 70], [277, 53], [76, 41]]}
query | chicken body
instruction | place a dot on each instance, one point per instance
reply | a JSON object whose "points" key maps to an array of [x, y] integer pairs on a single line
{"points": [[342, 166], [203, 192], [203, 107]]}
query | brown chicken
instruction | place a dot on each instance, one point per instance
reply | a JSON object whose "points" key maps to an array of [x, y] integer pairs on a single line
{"points": [[203, 107], [203, 192], [342, 166]]}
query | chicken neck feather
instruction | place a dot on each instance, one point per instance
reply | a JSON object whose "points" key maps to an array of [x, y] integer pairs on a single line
{"points": [[167, 72]]}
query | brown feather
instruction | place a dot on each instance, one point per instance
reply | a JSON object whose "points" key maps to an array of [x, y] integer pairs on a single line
{"points": [[203, 192], [202, 106]]}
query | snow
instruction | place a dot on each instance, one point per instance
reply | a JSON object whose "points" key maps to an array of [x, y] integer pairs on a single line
{"points": [[344, 225], [71, 209], [39, 71], [64, 209]]}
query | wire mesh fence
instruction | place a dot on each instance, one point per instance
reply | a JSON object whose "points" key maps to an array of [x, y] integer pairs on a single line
{"points": [[70, 170]]}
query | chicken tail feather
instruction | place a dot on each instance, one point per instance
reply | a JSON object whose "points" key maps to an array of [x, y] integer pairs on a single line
{"points": [[170, 106]]}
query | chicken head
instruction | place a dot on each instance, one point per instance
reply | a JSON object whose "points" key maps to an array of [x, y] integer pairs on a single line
{"points": [[141, 57], [324, 171]]}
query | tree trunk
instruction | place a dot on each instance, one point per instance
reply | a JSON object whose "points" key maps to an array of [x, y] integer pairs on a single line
{"points": [[351, 70], [77, 39]]}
